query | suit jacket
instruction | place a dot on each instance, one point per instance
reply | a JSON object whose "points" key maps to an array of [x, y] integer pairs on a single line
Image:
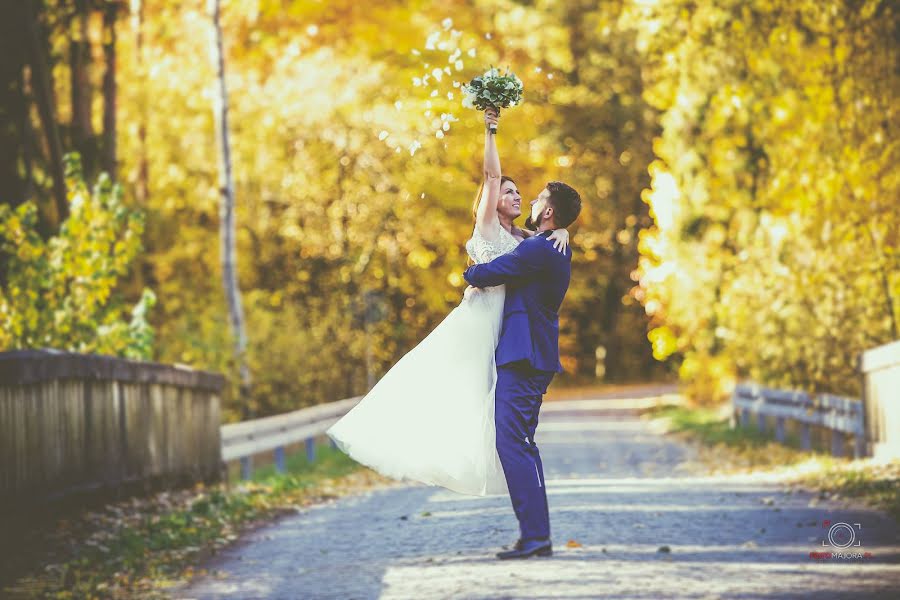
{"points": [[536, 277]]}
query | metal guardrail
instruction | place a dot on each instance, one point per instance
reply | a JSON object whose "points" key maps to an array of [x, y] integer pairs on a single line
{"points": [[843, 416], [240, 441]]}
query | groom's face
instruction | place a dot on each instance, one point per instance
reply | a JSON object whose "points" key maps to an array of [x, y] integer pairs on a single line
{"points": [[538, 210]]}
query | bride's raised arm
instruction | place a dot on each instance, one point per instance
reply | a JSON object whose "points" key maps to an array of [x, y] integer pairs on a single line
{"points": [[486, 213]]}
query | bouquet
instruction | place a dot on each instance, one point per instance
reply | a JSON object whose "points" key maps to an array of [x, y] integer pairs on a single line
{"points": [[493, 90]]}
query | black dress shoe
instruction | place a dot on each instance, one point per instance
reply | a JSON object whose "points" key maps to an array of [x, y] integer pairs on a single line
{"points": [[527, 549]]}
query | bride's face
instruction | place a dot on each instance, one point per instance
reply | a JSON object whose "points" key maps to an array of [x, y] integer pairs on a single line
{"points": [[510, 203]]}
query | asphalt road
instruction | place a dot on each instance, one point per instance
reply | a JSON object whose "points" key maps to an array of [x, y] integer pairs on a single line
{"points": [[631, 517]]}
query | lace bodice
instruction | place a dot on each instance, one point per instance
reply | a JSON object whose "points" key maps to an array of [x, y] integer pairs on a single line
{"points": [[483, 250]]}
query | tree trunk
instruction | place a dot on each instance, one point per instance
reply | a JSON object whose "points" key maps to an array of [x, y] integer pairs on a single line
{"points": [[42, 89], [80, 87], [142, 189], [12, 104], [227, 226], [111, 12]]}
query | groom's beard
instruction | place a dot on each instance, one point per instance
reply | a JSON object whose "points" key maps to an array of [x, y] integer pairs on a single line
{"points": [[531, 225]]}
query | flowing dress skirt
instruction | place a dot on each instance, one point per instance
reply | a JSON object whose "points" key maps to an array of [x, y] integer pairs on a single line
{"points": [[431, 417]]}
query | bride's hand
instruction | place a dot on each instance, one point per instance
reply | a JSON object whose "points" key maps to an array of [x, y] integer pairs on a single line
{"points": [[560, 239], [491, 117]]}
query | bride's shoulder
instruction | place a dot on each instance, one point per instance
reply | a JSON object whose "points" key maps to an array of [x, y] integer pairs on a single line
{"points": [[487, 231], [519, 234]]}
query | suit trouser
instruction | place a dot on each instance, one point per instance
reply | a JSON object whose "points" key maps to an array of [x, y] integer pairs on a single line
{"points": [[517, 402]]}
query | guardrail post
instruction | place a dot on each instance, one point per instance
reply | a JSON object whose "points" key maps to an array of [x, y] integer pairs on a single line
{"points": [[837, 443], [745, 417], [246, 467], [279, 459], [779, 429], [761, 421], [804, 436], [859, 446], [311, 449]]}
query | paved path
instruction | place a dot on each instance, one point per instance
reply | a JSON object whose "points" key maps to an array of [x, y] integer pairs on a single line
{"points": [[616, 487]]}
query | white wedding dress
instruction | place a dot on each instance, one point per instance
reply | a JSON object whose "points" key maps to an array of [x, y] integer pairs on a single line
{"points": [[431, 417]]}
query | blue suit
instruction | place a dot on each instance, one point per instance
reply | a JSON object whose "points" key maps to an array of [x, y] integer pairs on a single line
{"points": [[536, 276]]}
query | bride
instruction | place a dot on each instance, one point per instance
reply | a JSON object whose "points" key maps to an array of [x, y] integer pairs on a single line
{"points": [[431, 417]]}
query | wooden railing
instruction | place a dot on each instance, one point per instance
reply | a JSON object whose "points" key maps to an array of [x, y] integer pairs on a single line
{"points": [[241, 441], [842, 416], [72, 423]]}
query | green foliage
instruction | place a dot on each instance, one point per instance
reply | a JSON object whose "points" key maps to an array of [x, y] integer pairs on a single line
{"points": [[60, 293], [493, 90]]}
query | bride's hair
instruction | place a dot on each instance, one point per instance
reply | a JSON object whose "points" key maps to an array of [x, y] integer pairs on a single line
{"points": [[503, 179]]}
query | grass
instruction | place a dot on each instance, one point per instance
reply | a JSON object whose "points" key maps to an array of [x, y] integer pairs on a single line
{"points": [[141, 547], [726, 450]]}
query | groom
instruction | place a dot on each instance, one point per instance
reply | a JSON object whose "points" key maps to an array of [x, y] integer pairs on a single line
{"points": [[536, 277]]}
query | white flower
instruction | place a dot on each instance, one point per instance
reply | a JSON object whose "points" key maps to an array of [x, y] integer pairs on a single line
{"points": [[447, 23], [471, 52], [459, 65], [414, 146], [383, 135], [432, 39], [437, 74]]}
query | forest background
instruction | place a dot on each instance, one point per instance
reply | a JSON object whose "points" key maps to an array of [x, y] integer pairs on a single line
{"points": [[737, 160]]}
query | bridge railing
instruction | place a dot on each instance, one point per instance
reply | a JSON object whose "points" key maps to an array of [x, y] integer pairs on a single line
{"points": [[85, 424], [880, 368], [241, 441], [842, 416]]}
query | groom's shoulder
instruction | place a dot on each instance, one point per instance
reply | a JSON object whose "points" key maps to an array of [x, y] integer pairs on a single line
{"points": [[546, 245]]}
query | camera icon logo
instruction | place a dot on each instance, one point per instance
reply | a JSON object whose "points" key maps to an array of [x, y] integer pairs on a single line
{"points": [[842, 535]]}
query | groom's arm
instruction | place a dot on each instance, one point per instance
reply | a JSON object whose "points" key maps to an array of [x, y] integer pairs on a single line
{"points": [[527, 261]]}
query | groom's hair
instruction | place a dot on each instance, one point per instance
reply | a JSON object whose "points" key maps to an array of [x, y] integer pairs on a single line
{"points": [[566, 203]]}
